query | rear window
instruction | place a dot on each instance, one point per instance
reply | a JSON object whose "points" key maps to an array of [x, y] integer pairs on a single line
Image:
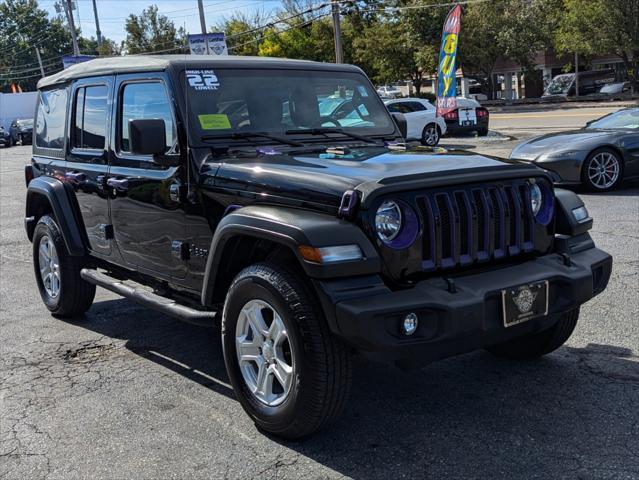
{"points": [[90, 114], [51, 118]]}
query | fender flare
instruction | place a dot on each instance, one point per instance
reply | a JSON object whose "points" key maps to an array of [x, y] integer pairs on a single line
{"points": [[291, 228], [56, 195], [565, 223]]}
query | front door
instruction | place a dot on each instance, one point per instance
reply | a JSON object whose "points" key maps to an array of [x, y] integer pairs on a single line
{"points": [[86, 161], [148, 221]]}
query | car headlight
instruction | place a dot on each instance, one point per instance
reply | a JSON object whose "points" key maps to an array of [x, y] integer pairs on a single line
{"points": [[541, 201], [536, 198], [569, 154], [388, 220]]}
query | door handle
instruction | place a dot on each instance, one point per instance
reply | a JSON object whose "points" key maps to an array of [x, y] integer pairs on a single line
{"points": [[119, 184], [75, 176]]}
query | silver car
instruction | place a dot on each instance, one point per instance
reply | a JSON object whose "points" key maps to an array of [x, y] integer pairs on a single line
{"points": [[597, 156]]}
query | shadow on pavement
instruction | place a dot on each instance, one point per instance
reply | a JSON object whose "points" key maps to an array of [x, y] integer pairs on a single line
{"points": [[570, 414]]}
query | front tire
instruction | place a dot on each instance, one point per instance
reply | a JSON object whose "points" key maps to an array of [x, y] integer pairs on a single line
{"points": [[57, 273], [602, 171], [538, 344], [430, 135], [291, 375]]}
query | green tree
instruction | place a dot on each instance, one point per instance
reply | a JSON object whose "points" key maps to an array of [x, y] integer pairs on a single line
{"points": [[244, 32], [151, 32], [599, 27], [23, 27]]}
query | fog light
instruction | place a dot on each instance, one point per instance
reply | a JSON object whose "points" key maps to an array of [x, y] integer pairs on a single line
{"points": [[409, 325]]}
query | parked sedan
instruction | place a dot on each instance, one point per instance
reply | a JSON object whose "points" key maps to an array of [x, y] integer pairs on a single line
{"points": [[597, 156], [469, 116], [421, 121], [22, 131], [5, 138]]}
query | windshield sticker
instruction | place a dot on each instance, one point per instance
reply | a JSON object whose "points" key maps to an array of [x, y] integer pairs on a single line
{"points": [[214, 121], [362, 91], [363, 111], [202, 79]]}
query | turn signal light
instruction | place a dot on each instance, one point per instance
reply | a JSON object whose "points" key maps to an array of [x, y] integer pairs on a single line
{"points": [[334, 254]]}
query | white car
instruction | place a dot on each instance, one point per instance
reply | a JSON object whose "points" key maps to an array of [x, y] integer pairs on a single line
{"points": [[388, 91], [421, 120]]}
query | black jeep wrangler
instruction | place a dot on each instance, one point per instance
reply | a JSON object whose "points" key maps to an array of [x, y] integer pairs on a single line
{"points": [[277, 198]]}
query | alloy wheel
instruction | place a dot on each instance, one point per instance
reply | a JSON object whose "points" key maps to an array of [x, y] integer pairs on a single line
{"points": [[603, 170], [264, 352], [431, 135], [49, 266]]}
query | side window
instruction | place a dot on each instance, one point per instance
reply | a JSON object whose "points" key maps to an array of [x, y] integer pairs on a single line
{"points": [[400, 107], [417, 107], [145, 100], [51, 118], [90, 117]]}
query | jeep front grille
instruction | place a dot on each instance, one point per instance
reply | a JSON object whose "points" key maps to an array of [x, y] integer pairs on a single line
{"points": [[475, 224]]}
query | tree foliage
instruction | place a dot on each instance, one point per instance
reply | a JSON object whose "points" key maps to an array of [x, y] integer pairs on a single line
{"points": [[151, 32]]}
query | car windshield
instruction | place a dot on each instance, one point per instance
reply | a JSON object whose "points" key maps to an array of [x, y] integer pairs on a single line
{"points": [[231, 103], [621, 119], [560, 84], [25, 123]]}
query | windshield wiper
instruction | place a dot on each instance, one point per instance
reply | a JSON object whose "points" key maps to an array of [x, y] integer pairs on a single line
{"points": [[243, 135], [324, 131]]}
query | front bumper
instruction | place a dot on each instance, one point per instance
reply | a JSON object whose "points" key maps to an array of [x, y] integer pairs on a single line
{"points": [[367, 315]]}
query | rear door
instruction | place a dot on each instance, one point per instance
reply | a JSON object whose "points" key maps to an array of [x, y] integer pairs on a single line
{"points": [[87, 161], [148, 219]]}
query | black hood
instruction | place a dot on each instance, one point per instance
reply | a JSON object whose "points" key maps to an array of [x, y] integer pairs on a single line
{"points": [[324, 177]]}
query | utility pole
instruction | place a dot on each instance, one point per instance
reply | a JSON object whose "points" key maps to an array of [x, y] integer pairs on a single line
{"points": [[39, 61], [337, 33], [200, 7], [68, 10], [98, 33], [576, 74]]}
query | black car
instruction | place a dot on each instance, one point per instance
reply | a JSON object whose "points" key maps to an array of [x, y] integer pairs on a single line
{"points": [[5, 138], [215, 191], [468, 117], [22, 130], [598, 156]]}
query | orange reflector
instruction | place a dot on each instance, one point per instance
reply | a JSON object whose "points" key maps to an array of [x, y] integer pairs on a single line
{"points": [[310, 254]]}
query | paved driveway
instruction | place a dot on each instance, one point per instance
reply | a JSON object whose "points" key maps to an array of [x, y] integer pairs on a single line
{"points": [[128, 393]]}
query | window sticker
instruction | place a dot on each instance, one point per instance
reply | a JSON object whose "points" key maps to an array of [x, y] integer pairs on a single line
{"points": [[363, 111], [362, 91], [214, 121], [202, 79]]}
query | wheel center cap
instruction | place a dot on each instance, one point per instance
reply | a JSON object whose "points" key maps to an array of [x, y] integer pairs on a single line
{"points": [[268, 352]]}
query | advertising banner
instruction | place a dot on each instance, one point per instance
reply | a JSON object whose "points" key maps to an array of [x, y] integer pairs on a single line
{"points": [[217, 44], [69, 60], [446, 82]]}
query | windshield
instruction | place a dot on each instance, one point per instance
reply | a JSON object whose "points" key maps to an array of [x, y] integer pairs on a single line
{"points": [[279, 102], [25, 123], [621, 119], [560, 84]]}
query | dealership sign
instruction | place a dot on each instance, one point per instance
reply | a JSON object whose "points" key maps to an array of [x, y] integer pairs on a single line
{"points": [[446, 82], [217, 44]]}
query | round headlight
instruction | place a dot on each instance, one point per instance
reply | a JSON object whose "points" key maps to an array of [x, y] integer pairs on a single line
{"points": [[536, 198], [388, 220]]}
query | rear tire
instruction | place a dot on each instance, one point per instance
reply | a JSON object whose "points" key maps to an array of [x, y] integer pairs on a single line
{"points": [[319, 363], [482, 132], [536, 345], [57, 273]]}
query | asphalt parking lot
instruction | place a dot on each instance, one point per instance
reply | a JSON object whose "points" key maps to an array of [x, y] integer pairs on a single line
{"points": [[128, 393]]}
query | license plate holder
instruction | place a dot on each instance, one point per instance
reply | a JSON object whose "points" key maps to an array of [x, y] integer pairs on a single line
{"points": [[524, 302]]}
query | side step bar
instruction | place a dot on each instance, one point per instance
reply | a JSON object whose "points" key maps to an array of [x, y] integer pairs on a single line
{"points": [[148, 299]]}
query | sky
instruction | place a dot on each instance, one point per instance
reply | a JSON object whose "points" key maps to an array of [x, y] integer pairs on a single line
{"points": [[112, 13]]}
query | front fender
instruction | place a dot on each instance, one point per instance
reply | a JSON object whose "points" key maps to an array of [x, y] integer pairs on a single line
{"points": [[291, 227]]}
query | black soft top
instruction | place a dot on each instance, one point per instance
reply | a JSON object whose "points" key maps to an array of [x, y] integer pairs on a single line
{"points": [[154, 63]]}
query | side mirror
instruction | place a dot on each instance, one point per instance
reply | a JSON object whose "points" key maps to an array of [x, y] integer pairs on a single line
{"points": [[147, 136], [400, 120]]}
